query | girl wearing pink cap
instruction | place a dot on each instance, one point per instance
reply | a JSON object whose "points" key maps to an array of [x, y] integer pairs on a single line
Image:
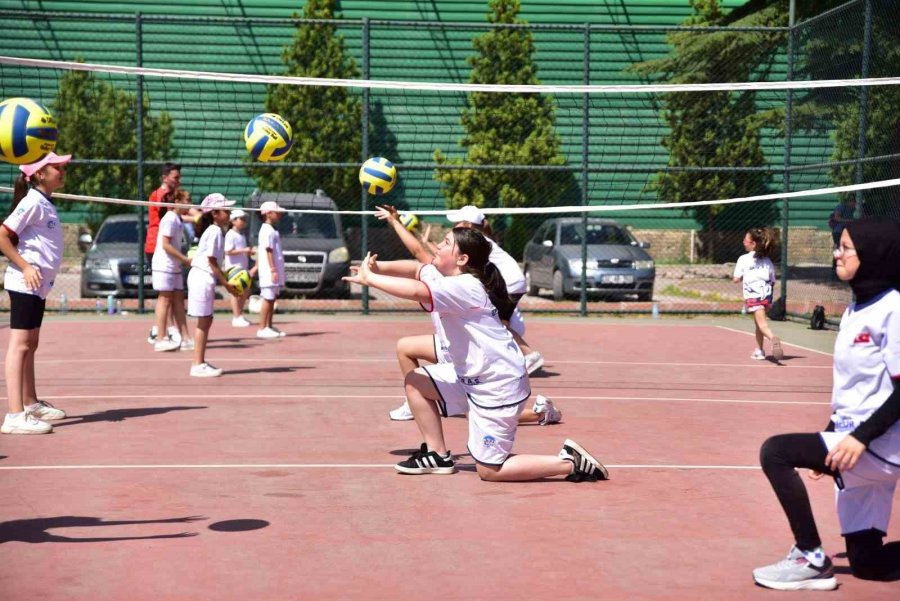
{"points": [[32, 240]]}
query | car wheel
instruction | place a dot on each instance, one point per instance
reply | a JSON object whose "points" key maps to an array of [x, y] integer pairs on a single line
{"points": [[532, 289], [559, 291], [645, 295]]}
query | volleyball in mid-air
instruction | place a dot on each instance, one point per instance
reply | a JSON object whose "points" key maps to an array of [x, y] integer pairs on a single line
{"points": [[268, 137], [238, 277], [409, 221], [378, 176], [27, 131]]}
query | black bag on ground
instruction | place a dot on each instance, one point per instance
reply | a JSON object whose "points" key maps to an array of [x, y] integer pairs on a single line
{"points": [[817, 320]]}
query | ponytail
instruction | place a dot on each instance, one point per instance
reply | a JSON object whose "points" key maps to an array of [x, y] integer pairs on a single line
{"points": [[206, 220], [19, 191], [472, 243], [765, 240]]}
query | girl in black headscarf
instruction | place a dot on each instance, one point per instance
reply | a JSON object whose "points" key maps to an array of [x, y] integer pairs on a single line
{"points": [[860, 447]]}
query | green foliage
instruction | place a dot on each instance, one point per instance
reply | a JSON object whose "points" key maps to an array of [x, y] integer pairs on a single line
{"points": [[325, 120], [97, 121], [505, 129]]}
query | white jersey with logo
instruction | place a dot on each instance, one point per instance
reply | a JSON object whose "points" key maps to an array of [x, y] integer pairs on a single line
{"points": [[234, 240], [509, 269], [866, 364], [269, 237], [212, 244], [488, 362], [758, 275], [40, 234], [172, 226]]}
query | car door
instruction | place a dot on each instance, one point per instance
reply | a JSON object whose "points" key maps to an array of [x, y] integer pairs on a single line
{"points": [[544, 256]]}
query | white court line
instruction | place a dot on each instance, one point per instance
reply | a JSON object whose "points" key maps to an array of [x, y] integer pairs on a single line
{"points": [[244, 397], [254, 466], [805, 348]]}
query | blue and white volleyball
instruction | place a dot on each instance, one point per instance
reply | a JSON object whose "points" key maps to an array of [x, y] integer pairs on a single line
{"points": [[268, 137], [27, 131], [378, 176]]}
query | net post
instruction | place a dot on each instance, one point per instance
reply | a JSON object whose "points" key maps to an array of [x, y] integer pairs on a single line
{"points": [[585, 157], [139, 99], [863, 106], [364, 143], [786, 177]]}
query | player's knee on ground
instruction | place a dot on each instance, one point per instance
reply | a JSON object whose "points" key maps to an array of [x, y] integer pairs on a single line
{"points": [[870, 558], [488, 473]]}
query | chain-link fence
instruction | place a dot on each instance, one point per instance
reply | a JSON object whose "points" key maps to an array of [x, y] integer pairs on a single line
{"points": [[499, 150]]}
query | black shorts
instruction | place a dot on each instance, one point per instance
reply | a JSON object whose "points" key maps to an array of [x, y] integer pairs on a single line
{"points": [[26, 311]]}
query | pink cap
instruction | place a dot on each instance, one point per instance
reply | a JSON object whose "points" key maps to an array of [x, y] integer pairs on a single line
{"points": [[51, 159], [215, 201]]}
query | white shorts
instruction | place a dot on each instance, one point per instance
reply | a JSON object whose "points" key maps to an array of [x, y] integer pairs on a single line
{"points": [[163, 281], [868, 493], [201, 293], [269, 293], [492, 431]]}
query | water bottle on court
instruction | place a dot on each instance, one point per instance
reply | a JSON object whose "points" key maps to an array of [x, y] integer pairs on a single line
{"points": [[110, 305], [743, 309], [98, 306], [119, 306], [63, 303], [654, 312]]}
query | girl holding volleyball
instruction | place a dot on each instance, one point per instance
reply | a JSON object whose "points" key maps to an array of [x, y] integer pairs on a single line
{"points": [[168, 279], [32, 240], [756, 272], [237, 254], [487, 373], [204, 274]]}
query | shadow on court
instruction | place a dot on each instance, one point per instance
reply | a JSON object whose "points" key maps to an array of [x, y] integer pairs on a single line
{"points": [[771, 359], [36, 530], [543, 373], [118, 415], [265, 370]]}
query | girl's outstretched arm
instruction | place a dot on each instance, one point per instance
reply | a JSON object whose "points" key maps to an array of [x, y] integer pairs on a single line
{"points": [[413, 245], [401, 287]]}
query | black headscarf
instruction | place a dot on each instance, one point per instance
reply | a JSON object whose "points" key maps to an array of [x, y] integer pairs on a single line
{"points": [[877, 245]]}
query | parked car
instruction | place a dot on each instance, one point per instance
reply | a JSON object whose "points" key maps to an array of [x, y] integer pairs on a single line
{"points": [[315, 251], [616, 263], [111, 263]]}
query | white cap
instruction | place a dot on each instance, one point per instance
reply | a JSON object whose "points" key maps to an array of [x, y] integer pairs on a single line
{"points": [[215, 201], [469, 213], [270, 206], [237, 214]]}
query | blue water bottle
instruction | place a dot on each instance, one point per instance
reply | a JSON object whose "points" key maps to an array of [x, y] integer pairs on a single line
{"points": [[110, 305], [63, 303], [98, 306]]}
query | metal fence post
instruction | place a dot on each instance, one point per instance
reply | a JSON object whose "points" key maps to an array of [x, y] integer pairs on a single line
{"points": [[363, 195], [863, 106], [139, 99], [786, 178], [585, 157]]}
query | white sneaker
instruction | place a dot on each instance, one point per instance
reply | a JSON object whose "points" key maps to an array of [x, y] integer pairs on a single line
{"points": [[239, 322], [187, 344], [164, 346], [533, 362], [44, 410], [280, 333], [205, 370], [24, 423], [544, 407], [401, 413], [174, 334], [267, 333], [151, 337], [758, 355]]}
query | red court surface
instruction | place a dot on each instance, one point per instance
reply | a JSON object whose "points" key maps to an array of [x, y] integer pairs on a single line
{"points": [[275, 481]]}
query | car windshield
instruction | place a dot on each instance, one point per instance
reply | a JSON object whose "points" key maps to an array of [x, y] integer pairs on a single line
{"points": [[596, 234], [114, 232], [305, 225]]}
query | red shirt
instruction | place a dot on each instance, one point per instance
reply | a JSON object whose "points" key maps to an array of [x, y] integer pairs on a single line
{"points": [[153, 221]]}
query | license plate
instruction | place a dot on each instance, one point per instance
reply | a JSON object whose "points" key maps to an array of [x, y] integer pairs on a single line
{"points": [[133, 279], [617, 279], [301, 277]]}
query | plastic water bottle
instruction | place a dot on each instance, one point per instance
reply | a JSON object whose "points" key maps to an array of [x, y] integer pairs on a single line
{"points": [[110, 305], [743, 309], [98, 306], [119, 306], [63, 303], [654, 312]]}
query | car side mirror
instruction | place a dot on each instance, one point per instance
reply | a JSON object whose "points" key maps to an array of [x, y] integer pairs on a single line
{"points": [[643, 244], [84, 241], [547, 243]]}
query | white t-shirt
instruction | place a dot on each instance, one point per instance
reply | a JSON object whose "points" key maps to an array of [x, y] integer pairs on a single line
{"points": [[758, 275], [40, 234], [488, 362], [234, 240], [509, 269], [212, 244], [269, 237], [866, 363], [172, 226]]}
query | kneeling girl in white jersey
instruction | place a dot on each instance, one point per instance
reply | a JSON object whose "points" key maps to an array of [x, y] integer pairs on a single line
{"points": [[860, 447], [487, 373]]}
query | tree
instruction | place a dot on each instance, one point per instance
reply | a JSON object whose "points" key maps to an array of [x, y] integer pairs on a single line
{"points": [[325, 120], [505, 129], [97, 120]]}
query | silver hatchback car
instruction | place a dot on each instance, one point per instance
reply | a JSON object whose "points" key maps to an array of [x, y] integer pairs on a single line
{"points": [[617, 263]]}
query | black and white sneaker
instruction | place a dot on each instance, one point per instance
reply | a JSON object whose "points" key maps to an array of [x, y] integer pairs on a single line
{"points": [[424, 461], [587, 469]]}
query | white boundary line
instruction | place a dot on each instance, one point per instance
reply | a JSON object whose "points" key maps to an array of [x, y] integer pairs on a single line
{"points": [[254, 466], [805, 348]]}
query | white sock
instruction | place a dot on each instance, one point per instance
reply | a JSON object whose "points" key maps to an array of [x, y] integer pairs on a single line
{"points": [[815, 556]]}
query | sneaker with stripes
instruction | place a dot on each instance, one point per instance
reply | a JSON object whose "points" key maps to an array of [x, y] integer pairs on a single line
{"points": [[424, 461], [587, 469]]}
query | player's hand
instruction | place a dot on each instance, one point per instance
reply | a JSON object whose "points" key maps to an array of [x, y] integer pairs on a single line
{"points": [[845, 455], [274, 276], [372, 263], [387, 213], [815, 475], [33, 277], [232, 289], [426, 234], [359, 273]]}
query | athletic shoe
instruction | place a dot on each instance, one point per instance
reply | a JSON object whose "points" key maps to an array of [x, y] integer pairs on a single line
{"points": [[151, 337], [44, 410], [424, 461], [174, 334], [205, 370], [24, 423], [402, 413], [758, 355], [187, 344], [239, 322], [267, 333], [796, 573], [533, 362], [164, 346], [777, 351], [280, 333], [544, 407], [587, 469]]}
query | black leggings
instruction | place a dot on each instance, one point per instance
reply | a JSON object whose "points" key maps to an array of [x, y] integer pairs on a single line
{"points": [[869, 557]]}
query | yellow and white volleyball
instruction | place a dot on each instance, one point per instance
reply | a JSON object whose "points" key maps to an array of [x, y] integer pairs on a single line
{"points": [[409, 221], [268, 137], [378, 176], [192, 252], [27, 131], [239, 278]]}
